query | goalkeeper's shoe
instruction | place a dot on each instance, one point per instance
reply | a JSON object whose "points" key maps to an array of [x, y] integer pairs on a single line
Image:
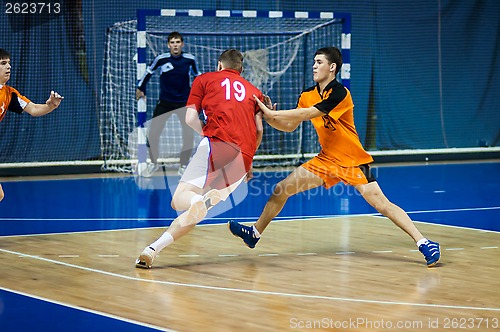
{"points": [[243, 232], [181, 170], [146, 258], [150, 170], [431, 252]]}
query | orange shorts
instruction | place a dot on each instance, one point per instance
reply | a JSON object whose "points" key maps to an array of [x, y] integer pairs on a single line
{"points": [[331, 173]]}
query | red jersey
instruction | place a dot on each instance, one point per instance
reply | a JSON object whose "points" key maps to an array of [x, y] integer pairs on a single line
{"points": [[226, 99], [7, 102]]}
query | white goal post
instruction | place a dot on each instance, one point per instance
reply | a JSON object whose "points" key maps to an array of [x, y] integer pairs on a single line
{"points": [[278, 49]]}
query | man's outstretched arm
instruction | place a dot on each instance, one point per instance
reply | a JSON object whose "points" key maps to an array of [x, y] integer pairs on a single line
{"points": [[287, 120], [41, 109]]}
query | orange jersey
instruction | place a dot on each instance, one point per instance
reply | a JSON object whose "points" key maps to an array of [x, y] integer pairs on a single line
{"points": [[336, 131], [12, 100]]}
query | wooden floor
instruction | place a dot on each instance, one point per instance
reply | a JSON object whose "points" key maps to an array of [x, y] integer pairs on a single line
{"points": [[353, 273]]}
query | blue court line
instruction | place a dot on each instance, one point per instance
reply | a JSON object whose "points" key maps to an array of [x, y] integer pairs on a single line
{"points": [[447, 194], [26, 312]]}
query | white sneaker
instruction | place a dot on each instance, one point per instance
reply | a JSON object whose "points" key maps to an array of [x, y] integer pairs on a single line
{"points": [[146, 258], [150, 170]]}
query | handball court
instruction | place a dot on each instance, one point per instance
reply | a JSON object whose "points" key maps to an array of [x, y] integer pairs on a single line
{"points": [[352, 270]]}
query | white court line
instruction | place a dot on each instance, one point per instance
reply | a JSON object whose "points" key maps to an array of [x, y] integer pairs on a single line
{"points": [[99, 313], [250, 218], [443, 225], [458, 210], [284, 219], [252, 291]]}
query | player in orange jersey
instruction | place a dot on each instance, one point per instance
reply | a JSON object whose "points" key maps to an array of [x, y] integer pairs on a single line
{"points": [[329, 106], [12, 100]]}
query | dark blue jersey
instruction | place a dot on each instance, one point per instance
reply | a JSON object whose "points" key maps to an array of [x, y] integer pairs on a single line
{"points": [[174, 76]]}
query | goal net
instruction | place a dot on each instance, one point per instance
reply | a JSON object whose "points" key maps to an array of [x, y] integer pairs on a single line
{"points": [[278, 49]]}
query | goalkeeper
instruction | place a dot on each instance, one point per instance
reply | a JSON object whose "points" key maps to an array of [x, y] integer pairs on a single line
{"points": [[12, 100], [175, 68]]}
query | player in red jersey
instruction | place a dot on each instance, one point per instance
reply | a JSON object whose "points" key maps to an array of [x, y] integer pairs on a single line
{"points": [[12, 100], [221, 108]]}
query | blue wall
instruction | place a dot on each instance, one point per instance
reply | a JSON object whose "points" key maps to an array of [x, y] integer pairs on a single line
{"points": [[431, 67]]}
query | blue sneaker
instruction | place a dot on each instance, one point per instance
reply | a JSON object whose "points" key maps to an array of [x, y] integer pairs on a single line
{"points": [[243, 232], [431, 252]]}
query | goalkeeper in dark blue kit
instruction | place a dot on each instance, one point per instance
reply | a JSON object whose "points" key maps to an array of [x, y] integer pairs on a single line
{"points": [[175, 68]]}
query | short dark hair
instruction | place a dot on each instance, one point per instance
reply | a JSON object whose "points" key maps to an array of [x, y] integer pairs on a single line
{"points": [[232, 59], [4, 54], [333, 55], [174, 34]]}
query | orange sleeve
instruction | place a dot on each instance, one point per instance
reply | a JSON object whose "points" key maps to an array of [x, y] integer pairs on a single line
{"points": [[302, 103]]}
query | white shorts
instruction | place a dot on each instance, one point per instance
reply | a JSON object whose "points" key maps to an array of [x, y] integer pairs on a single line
{"points": [[216, 164]]}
